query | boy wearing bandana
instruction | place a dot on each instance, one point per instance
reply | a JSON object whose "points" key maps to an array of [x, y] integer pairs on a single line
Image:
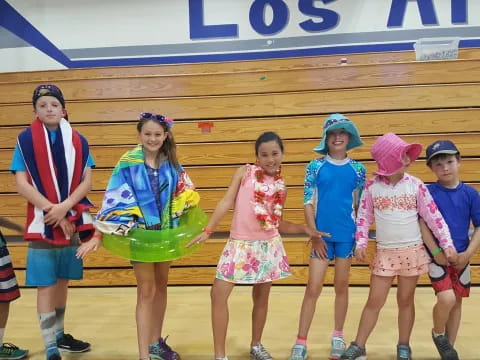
{"points": [[52, 167]]}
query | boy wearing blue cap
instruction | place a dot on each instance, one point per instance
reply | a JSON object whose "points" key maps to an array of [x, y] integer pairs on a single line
{"points": [[332, 188], [459, 205]]}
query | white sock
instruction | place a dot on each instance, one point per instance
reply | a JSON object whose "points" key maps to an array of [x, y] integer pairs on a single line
{"points": [[47, 326]]}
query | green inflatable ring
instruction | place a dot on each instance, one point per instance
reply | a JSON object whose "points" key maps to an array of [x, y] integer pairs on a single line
{"points": [[159, 245]]}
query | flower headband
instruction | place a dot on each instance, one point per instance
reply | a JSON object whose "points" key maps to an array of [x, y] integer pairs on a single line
{"points": [[158, 118]]}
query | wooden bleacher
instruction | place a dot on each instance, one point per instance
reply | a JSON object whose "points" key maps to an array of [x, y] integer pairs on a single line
{"points": [[422, 101]]}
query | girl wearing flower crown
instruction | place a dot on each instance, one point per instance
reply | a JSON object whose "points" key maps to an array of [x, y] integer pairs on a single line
{"points": [[254, 253], [394, 199]]}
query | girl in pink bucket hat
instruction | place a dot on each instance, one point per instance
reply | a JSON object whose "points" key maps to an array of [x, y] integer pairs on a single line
{"points": [[389, 150], [394, 199]]}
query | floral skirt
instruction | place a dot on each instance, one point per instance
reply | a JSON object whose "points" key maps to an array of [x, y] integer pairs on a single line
{"points": [[253, 261], [409, 261]]}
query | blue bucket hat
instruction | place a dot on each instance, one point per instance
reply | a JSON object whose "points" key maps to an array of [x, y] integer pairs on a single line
{"points": [[339, 121]]}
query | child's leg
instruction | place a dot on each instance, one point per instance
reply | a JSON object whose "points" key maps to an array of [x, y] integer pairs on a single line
{"points": [[441, 311], [160, 300], [342, 272], [406, 307], [453, 323], [316, 275], [145, 276], [220, 292], [260, 293], [65, 342], [379, 288], [46, 298], [60, 305], [8, 350], [4, 310], [61, 293]]}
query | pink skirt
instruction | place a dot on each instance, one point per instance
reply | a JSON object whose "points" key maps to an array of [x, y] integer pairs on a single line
{"points": [[409, 261]]}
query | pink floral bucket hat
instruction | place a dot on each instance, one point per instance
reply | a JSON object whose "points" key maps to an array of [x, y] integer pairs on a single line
{"points": [[388, 150]]}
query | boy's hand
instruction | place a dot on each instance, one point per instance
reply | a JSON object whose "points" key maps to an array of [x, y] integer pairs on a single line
{"points": [[55, 213], [67, 227], [440, 258], [451, 255], [93, 244], [361, 254], [202, 237], [461, 261]]}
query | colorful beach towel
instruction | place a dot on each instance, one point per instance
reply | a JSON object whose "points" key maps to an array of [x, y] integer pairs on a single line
{"points": [[55, 170], [130, 201]]}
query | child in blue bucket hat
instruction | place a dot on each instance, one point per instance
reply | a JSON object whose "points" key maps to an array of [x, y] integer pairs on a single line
{"points": [[332, 189], [339, 121]]}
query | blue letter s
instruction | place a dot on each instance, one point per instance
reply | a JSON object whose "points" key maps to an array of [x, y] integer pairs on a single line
{"points": [[330, 17]]}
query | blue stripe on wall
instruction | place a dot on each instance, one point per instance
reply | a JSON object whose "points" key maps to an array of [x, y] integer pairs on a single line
{"points": [[13, 21], [336, 50]]}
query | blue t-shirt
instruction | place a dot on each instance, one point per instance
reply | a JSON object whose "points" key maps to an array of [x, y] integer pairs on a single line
{"points": [[458, 206], [17, 159], [332, 187]]}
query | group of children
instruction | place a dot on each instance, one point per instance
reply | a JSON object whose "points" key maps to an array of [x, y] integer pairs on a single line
{"points": [[419, 229]]}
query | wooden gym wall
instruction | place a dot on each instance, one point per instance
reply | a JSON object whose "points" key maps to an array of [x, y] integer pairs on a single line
{"points": [[421, 101]]}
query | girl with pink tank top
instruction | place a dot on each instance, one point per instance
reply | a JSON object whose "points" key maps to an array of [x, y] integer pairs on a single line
{"points": [[254, 253]]}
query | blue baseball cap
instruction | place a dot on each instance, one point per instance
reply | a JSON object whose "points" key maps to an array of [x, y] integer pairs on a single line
{"points": [[441, 147]]}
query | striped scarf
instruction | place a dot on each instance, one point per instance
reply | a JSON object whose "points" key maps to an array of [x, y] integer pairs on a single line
{"points": [[55, 171]]}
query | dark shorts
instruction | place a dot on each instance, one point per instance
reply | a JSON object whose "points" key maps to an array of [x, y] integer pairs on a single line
{"points": [[447, 277], [9, 290]]}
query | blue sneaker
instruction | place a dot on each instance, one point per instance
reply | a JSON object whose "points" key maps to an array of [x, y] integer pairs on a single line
{"points": [[160, 350], [404, 352], [55, 356], [299, 352], [354, 352], [445, 349], [9, 351], [338, 348]]}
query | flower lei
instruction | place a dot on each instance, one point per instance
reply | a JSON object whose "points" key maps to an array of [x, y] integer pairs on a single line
{"points": [[268, 219]]}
